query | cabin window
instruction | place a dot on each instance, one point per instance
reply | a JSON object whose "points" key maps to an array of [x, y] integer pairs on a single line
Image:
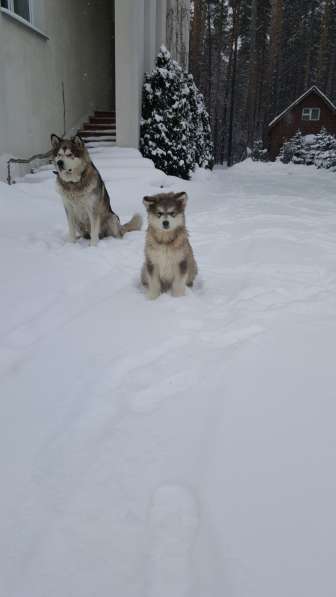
{"points": [[311, 114], [22, 8]]}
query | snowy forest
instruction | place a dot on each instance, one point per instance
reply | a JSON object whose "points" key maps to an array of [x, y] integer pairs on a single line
{"points": [[252, 58]]}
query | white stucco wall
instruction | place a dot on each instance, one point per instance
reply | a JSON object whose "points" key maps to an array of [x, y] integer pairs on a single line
{"points": [[79, 52], [129, 68], [140, 30]]}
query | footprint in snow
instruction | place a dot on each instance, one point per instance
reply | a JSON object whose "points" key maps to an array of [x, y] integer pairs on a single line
{"points": [[173, 526]]}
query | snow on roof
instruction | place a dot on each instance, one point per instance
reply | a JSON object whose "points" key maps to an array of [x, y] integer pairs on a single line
{"points": [[313, 88]]}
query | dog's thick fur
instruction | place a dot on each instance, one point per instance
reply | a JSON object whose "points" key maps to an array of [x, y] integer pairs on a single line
{"points": [[85, 198], [169, 260]]}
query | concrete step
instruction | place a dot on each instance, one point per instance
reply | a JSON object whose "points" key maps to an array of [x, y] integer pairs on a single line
{"points": [[98, 133], [102, 114], [107, 139], [102, 121], [97, 126]]}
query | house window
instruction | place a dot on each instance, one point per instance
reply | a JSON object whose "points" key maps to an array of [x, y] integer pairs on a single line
{"points": [[311, 114], [22, 8]]}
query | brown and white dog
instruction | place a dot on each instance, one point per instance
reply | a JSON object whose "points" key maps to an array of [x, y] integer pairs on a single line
{"points": [[85, 198], [169, 260]]}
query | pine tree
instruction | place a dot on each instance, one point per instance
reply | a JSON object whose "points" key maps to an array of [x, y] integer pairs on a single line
{"points": [[204, 145], [165, 128], [177, 30], [259, 153], [312, 21], [327, 47], [197, 40], [235, 43], [220, 30], [175, 127], [293, 150], [262, 67], [298, 146], [324, 148], [275, 64], [320, 150]]}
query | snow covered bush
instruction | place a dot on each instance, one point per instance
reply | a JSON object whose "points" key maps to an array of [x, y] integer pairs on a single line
{"points": [[319, 150], [324, 148], [286, 153], [164, 126], [199, 126], [175, 129], [309, 153], [293, 150], [258, 153]]}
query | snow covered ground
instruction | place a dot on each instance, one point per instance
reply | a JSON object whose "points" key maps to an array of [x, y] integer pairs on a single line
{"points": [[182, 447]]}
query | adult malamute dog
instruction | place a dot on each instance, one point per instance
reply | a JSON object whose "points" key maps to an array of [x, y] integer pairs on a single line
{"points": [[169, 259], [86, 200]]}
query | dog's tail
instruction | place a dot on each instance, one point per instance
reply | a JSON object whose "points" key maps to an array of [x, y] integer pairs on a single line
{"points": [[134, 224]]}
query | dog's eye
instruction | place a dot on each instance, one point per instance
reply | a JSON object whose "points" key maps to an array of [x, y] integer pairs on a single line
{"points": [[172, 214], [160, 214]]}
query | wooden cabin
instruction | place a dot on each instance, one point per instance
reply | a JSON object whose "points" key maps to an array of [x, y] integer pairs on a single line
{"points": [[309, 113]]}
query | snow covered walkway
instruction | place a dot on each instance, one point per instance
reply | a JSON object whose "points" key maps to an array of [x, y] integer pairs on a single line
{"points": [[182, 447]]}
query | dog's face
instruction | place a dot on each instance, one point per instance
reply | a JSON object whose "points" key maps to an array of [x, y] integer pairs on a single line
{"points": [[166, 210], [69, 157]]}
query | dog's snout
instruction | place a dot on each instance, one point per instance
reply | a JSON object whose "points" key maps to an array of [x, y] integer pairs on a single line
{"points": [[60, 164], [165, 224]]}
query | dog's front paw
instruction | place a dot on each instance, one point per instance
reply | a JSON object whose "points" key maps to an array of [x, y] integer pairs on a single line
{"points": [[93, 242], [178, 291], [72, 238], [152, 295]]}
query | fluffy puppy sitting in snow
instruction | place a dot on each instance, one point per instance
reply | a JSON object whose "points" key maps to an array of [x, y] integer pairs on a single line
{"points": [[169, 260], [85, 198]]}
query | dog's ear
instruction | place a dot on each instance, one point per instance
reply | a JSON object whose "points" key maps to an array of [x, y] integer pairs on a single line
{"points": [[55, 141], [148, 201], [181, 198], [78, 142]]}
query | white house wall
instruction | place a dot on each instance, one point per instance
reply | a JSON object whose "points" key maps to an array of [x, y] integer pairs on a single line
{"points": [[129, 68], [140, 30], [79, 52]]}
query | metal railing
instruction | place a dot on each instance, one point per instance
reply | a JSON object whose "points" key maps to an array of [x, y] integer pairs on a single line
{"points": [[38, 156]]}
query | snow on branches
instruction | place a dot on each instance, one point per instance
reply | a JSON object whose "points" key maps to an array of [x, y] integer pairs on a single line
{"points": [[175, 127], [258, 152], [318, 150]]}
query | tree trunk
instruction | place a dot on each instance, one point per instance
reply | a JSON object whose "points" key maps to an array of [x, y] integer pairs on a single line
{"points": [[197, 40], [178, 26], [275, 61], [209, 58], [252, 86], [236, 22]]}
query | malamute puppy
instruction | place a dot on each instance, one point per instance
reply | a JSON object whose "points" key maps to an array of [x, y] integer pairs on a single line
{"points": [[86, 200], [169, 260]]}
